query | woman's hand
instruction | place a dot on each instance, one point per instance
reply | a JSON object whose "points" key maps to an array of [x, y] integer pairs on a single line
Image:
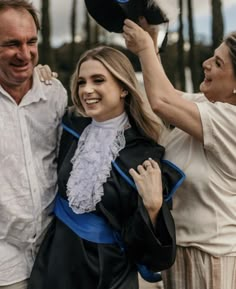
{"points": [[149, 184], [152, 30], [45, 73], [136, 38]]}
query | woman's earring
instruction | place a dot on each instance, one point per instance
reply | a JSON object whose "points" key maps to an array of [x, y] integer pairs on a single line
{"points": [[124, 93]]}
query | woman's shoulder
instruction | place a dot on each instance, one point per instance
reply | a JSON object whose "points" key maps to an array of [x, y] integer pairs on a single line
{"points": [[74, 121], [195, 97], [138, 148]]}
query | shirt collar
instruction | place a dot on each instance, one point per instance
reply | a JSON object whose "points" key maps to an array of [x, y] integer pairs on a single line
{"points": [[35, 94]]}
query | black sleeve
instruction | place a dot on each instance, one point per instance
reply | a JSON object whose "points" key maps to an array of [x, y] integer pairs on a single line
{"points": [[153, 247]]}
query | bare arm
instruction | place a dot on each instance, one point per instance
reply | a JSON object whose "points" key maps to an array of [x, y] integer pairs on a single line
{"points": [[165, 100]]}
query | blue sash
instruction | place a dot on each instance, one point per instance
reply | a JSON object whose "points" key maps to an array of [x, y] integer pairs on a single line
{"points": [[88, 226], [94, 228]]}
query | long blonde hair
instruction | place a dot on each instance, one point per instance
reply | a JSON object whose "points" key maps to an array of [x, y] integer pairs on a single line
{"points": [[136, 103]]}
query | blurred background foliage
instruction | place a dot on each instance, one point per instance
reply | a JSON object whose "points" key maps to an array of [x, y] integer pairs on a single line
{"points": [[182, 58]]}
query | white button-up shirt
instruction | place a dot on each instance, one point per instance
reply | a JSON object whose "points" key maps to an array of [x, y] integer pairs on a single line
{"points": [[29, 138]]}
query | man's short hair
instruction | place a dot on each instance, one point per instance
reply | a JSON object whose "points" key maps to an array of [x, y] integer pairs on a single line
{"points": [[21, 5]]}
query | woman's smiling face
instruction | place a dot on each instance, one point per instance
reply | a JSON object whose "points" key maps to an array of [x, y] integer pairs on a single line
{"points": [[220, 80], [100, 93]]}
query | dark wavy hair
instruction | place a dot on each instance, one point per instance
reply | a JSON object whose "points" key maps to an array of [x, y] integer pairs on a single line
{"points": [[230, 41]]}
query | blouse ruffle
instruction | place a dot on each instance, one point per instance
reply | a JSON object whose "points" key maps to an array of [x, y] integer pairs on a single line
{"points": [[99, 145]]}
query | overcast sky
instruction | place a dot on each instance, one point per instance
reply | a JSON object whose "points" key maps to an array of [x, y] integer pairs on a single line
{"points": [[61, 9]]}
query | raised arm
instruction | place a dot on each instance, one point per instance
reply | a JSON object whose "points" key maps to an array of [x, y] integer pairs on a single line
{"points": [[165, 100]]}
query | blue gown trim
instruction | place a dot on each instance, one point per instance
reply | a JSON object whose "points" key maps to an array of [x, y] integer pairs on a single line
{"points": [[180, 181]]}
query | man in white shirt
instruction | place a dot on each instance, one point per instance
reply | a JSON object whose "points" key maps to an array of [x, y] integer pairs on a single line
{"points": [[30, 116]]}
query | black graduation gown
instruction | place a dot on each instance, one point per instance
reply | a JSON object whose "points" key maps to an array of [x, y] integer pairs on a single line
{"points": [[66, 261]]}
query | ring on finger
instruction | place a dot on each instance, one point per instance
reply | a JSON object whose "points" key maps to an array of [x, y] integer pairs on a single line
{"points": [[146, 165]]}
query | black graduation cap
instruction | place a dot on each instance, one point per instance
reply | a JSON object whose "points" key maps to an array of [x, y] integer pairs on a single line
{"points": [[110, 14]]}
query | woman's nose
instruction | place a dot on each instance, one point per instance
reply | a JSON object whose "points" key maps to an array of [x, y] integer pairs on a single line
{"points": [[88, 89], [207, 63]]}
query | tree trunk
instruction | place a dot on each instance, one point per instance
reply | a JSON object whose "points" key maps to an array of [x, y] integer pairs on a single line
{"points": [[46, 55], [192, 54], [73, 34], [180, 60], [217, 23], [88, 31]]}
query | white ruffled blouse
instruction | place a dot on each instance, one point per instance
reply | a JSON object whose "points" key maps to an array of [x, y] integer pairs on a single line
{"points": [[99, 144]]}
